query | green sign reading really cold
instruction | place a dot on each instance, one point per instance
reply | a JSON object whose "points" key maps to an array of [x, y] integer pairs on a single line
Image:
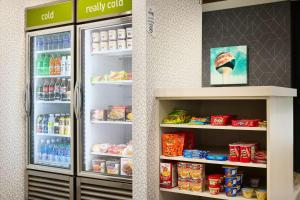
{"points": [[92, 9], [50, 14]]}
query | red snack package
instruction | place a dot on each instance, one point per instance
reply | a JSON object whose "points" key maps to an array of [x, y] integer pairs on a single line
{"points": [[168, 175], [182, 138], [190, 142], [246, 122], [234, 152], [221, 120], [245, 150]]}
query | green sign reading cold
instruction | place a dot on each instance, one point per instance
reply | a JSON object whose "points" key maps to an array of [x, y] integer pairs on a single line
{"points": [[92, 9], [50, 14]]}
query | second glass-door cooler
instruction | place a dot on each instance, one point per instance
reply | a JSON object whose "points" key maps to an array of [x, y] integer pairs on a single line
{"points": [[104, 99]]}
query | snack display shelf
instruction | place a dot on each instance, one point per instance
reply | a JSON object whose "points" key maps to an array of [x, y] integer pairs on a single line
{"points": [[54, 51], [53, 164], [117, 52], [111, 122], [110, 155], [204, 194], [196, 160], [51, 76], [52, 135], [54, 102], [121, 82], [213, 127]]}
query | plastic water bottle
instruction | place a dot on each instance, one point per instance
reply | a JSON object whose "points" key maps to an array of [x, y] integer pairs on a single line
{"points": [[50, 150], [66, 40], [68, 153], [60, 40], [44, 150], [39, 153], [54, 41]]}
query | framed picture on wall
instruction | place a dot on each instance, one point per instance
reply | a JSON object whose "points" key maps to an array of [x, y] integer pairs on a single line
{"points": [[229, 66]]}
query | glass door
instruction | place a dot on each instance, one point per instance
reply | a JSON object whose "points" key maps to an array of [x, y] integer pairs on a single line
{"points": [[106, 118], [51, 80]]}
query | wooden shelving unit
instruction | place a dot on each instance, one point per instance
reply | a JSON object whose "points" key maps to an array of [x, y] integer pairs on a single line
{"points": [[274, 104]]}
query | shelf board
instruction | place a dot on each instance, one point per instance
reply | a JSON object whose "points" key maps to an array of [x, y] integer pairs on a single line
{"points": [[54, 102], [52, 164], [121, 82], [54, 51], [196, 160], [51, 76], [204, 194], [111, 122], [110, 155], [213, 127], [52, 135], [117, 52]]}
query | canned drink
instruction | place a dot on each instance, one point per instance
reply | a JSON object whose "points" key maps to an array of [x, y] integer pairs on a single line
{"points": [[95, 36]]}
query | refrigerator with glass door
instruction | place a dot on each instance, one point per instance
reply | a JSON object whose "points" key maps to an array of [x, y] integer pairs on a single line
{"points": [[104, 100], [49, 100]]}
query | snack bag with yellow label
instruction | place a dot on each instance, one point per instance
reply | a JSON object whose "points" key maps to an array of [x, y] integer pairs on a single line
{"points": [[168, 175]]}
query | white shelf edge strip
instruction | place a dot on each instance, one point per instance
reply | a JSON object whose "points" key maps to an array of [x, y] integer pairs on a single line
{"points": [[214, 127]]}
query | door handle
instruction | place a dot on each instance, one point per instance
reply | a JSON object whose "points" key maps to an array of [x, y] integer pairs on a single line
{"points": [[27, 99], [77, 100]]}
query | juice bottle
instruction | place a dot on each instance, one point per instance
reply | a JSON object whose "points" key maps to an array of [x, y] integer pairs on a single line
{"points": [[67, 125], [51, 122], [51, 89], [62, 124], [46, 91], [63, 65], [57, 90], [52, 65], [58, 65], [56, 123], [63, 90]]}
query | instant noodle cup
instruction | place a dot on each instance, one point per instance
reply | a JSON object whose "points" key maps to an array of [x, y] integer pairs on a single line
{"points": [[261, 194], [230, 171], [239, 179], [245, 150], [231, 191], [196, 185], [215, 179], [183, 170], [214, 190], [196, 171], [183, 184], [231, 181], [234, 152], [247, 192]]}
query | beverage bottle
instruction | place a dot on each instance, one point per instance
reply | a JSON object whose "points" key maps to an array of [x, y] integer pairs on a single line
{"points": [[68, 152], [48, 149], [69, 90], [37, 64], [67, 125], [39, 153], [58, 65], [60, 40], [46, 62], [41, 91], [63, 65], [38, 43], [46, 90], [51, 122], [46, 42], [56, 123], [39, 126], [52, 154], [51, 89], [45, 124], [49, 38], [58, 149], [42, 155], [40, 64], [68, 66], [52, 65], [55, 41], [57, 95], [62, 124], [66, 40], [63, 90]]}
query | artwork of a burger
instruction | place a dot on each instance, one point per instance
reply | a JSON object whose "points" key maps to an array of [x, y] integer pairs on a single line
{"points": [[229, 65]]}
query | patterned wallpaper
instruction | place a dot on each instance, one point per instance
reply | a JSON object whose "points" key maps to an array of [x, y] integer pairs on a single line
{"points": [[264, 28]]}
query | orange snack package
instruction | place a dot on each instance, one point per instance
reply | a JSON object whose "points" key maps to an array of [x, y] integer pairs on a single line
{"points": [[169, 144]]}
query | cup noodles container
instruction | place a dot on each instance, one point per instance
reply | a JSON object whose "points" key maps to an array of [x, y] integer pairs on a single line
{"points": [[230, 171], [129, 43], [129, 32], [239, 179], [183, 170], [95, 36], [95, 46], [103, 46], [168, 175], [112, 34], [183, 184], [104, 35], [215, 180], [112, 45], [234, 152], [121, 44], [221, 120], [98, 166], [246, 122], [121, 32], [231, 191], [214, 190], [231, 181], [245, 151], [197, 171], [196, 185]]}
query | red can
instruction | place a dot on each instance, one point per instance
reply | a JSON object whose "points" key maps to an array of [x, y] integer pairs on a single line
{"points": [[221, 120], [234, 152], [215, 180], [245, 153]]}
